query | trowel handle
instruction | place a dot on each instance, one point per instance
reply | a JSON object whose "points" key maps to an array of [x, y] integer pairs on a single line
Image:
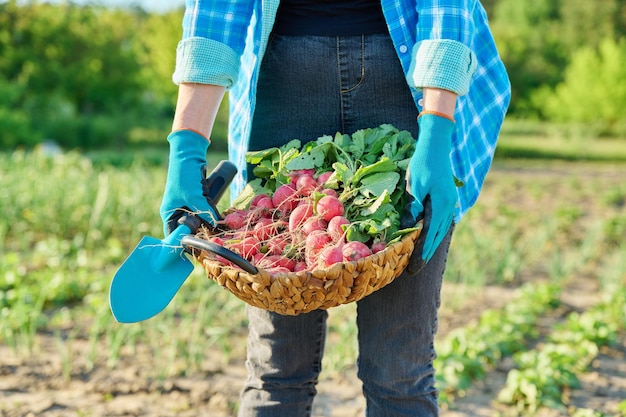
{"points": [[216, 183], [190, 241]]}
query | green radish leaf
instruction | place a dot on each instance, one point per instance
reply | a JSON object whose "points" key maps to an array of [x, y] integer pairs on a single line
{"points": [[384, 165], [377, 184], [314, 158], [256, 157], [342, 173], [342, 141], [376, 206], [357, 146], [323, 140], [355, 234]]}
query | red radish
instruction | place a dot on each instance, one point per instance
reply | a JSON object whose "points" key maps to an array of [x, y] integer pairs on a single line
{"points": [[299, 215], [290, 264], [262, 229], [300, 266], [258, 258], [247, 248], [224, 261], [217, 240], [353, 251], [277, 244], [317, 240], [329, 207], [378, 247], [268, 262], [335, 229], [265, 204], [278, 270], [274, 261], [285, 198], [314, 243], [305, 185], [323, 177], [330, 191], [314, 224], [235, 220], [330, 255], [300, 172], [256, 198]]}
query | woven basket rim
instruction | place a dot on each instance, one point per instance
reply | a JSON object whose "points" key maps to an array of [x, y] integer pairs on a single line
{"points": [[341, 283]]}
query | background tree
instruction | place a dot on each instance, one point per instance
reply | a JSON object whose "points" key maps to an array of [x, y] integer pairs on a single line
{"points": [[593, 91], [530, 46], [90, 76]]}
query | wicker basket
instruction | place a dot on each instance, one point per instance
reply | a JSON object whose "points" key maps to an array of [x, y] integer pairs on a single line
{"points": [[302, 292]]}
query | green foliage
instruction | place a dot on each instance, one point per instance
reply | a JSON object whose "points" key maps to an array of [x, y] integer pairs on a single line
{"points": [[83, 75], [84, 55], [594, 88], [530, 45], [366, 167], [542, 375], [89, 76], [160, 34], [469, 352], [538, 40]]}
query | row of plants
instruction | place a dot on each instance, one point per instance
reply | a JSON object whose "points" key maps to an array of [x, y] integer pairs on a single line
{"points": [[469, 352], [543, 376], [68, 223]]}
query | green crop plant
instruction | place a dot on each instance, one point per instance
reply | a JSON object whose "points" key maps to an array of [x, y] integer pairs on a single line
{"points": [[467, 353], [542, 375]]}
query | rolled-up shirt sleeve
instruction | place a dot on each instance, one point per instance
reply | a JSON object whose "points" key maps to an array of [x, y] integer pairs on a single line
{"points": [[443, 56], [213, 40]]}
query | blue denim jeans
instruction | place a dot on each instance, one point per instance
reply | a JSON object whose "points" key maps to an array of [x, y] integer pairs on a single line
{"points": [[311, 86]]}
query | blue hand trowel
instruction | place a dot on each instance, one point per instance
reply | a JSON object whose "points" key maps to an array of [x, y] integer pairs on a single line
{"points": [[156, 269]]}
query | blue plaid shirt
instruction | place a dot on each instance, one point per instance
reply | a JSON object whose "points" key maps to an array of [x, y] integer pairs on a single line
{"points": [[450, 46]]}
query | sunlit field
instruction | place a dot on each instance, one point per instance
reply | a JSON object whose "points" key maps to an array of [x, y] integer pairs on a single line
{"points": [[533, 301]]}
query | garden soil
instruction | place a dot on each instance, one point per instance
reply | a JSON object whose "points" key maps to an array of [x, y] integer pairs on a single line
{"points": [[43, 384]]}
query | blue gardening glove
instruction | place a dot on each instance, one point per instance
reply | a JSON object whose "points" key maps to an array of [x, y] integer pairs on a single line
{"points": [[185, 184], [430, 180]]}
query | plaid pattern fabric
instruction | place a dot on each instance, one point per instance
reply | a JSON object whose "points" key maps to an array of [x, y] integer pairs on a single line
{"points": [[449, 46]]}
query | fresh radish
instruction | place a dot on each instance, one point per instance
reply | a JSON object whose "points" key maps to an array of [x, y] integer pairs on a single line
{"points": [[284, 262], [300, 266], [335, 227], [378, 246], [323, 177], [256, 198], [328, 207], [330, 255], [276, 244], [317, 240], [353, 251], [305, 185], [217, 240], [235, 220], [258, 258], [299, 215], [314, 243], [313, 224], [285, 198], [265, 204], [262, 229], [278, 270], [247, 247]]}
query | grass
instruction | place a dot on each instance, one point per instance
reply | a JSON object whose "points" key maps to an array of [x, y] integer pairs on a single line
{"points": [[69, 221], [522, 139]]}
